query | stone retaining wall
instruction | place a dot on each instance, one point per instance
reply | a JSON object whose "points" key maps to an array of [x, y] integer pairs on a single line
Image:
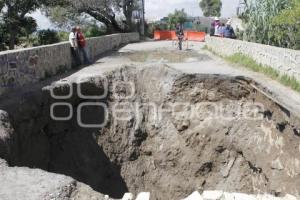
{"points": [[24, 66], [286, 61]]}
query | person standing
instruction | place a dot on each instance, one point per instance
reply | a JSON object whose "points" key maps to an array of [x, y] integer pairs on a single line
{"points": [[74, 47], [228, 31], [180, 35], [82, 45], [217, 25], [222, 30]]}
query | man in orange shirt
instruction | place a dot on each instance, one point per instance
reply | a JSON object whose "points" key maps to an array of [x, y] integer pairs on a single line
{"points": [[82, 45]]}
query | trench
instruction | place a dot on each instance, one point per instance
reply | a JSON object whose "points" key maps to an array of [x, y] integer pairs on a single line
{"points": [[163, 132]]}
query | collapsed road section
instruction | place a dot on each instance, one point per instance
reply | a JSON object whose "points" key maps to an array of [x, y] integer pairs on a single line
{"points": [[151, 129]]}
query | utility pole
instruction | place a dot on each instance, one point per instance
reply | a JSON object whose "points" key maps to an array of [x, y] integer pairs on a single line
{"points": [[142, 24], [242, 7]]}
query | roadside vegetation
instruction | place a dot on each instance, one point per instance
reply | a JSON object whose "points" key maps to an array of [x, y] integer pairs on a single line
{"points": [[249, 63], [211, 8], [272, 22]]}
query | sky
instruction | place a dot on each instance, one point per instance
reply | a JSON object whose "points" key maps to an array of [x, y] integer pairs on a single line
{"points": [[157, 9]]}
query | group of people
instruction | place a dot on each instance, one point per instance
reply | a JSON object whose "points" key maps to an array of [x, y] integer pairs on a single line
{"points": [[217, 29], [222, 30], [78, 47]]}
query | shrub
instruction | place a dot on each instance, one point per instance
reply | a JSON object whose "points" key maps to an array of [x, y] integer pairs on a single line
{"points": [[63, 36], [48, 37], [94, 31], [286, 27]]}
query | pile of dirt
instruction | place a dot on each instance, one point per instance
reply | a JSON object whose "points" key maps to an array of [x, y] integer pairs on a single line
{"points": [[166, 133]]}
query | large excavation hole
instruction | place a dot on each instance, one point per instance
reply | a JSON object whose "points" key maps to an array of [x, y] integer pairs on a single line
{"points": [[166, 133]]}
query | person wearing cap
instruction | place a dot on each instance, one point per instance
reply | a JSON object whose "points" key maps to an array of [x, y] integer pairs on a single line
{"points": [[214, 31], [228, 31], [217, 27]]}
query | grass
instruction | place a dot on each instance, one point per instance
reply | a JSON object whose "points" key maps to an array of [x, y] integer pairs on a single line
{"points": [[290, 82], [205, 47], [251, 64]]}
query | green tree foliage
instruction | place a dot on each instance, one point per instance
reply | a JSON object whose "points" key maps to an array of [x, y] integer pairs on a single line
{"points": [[285, 28], [3, 37], [258, 18], [28, 27], [179, 16], [63, 36], [65, 18], [48, 37], [104, 11], [211, 7], [14, 19], [25, 27], [94, 31]]}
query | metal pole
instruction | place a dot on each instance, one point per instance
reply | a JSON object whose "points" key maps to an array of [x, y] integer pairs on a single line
{"points": [[143, 18]]}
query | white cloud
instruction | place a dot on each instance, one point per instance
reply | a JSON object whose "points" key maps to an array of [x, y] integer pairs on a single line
{"points": [[42, 21], [156, 9]]}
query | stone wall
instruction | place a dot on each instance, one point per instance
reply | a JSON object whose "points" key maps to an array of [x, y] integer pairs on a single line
{"points": [[24, 66], [286, 61]]}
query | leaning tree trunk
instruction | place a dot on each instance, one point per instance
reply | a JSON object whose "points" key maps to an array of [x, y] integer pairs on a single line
{"points": [[109, 21], [12, 37], [10, 26], [127, 11], [116, 26]]}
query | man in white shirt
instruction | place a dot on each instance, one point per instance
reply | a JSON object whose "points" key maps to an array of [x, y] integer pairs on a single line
{"points": [[74, 48]]}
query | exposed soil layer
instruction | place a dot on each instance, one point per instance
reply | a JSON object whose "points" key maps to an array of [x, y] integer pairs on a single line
{"points": [[166, 132]]}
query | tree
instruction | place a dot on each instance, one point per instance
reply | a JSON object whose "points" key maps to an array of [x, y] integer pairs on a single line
{"points": [[14, 13], [48, 37], [258, 17], [128, 7], [179, 16], [64, 17], [25, 28], [104, 11], [94, 31], [211, 7], [101, 10], [285, 27], [29, 26]]}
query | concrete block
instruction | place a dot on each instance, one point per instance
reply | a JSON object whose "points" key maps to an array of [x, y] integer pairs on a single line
{"points": [[127, 196], [237, 196], [267, 197], [194, 196], [290, 197], [212, 195], [143, 196]]}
